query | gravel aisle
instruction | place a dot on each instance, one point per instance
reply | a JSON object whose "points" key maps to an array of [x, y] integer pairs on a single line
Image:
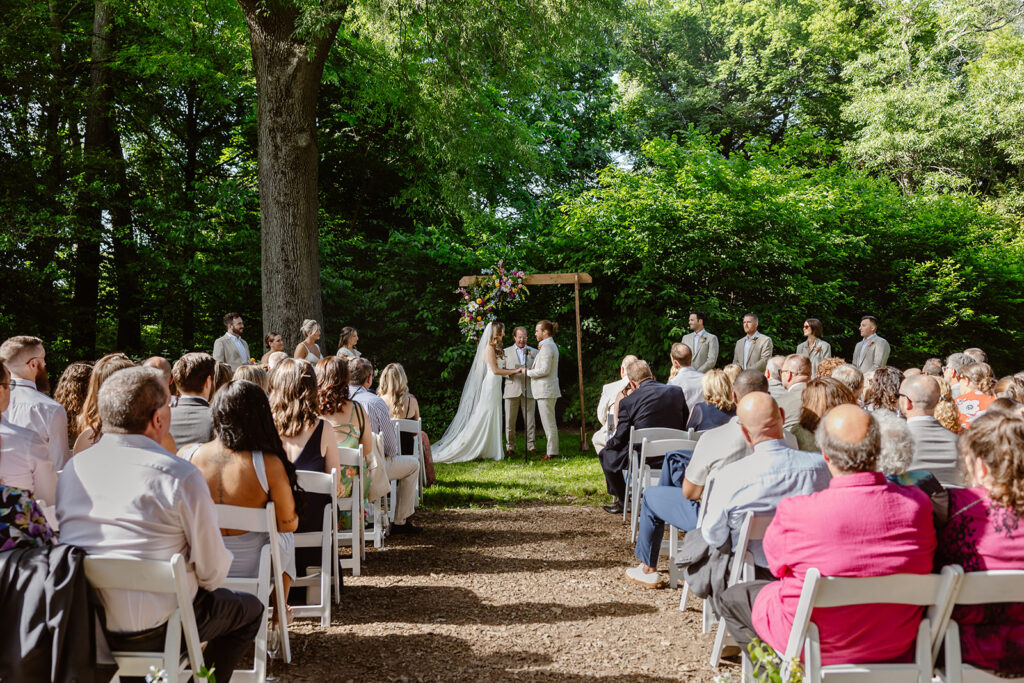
{"points": [[530, 593]]}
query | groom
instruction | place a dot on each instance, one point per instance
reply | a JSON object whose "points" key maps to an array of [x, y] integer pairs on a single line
{"points": [[518, 392], [544, 382]]}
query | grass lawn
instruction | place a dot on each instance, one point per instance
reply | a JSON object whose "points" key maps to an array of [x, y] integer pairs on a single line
{"points": [[573, 478]]}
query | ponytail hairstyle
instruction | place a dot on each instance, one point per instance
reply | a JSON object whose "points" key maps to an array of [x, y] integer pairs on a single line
{"points": [[946, 411], [980, 377], [548, 326]]}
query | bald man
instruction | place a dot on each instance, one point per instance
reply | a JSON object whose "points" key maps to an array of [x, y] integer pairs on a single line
{"points": [[611, 394], [861, 525], [759, 481], [796, 372], [935, 447]]}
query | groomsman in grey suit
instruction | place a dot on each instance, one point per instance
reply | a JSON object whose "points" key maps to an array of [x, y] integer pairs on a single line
{"points": [[935, 447], [702, 343], [544, 380], [753, 349], [872, 351], [518, 393], [231, 348]]}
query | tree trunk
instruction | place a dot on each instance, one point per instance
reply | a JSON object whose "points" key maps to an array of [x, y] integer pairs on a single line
{"points": [[287, 84], [126, 253], [90, 212]]}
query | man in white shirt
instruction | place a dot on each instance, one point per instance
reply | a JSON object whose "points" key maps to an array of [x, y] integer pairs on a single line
{"points": [[127, 496], [610, 395], [231, 348], [702, 343], [30, 407], [24, 461], [872, 352], [518, 393], [403, 468], [687, 378]]}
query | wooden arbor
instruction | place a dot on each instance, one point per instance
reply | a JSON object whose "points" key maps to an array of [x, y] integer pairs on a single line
{"points": [[575, 279]]}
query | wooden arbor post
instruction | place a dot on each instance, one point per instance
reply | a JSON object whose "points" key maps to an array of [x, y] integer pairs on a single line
{"points": [[575, 279]]}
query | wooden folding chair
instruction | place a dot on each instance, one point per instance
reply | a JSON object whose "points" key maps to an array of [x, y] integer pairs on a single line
{"points": [[319, 579]]}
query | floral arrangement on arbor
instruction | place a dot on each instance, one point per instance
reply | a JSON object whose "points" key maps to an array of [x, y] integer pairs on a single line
{"points": [[482, 300]]}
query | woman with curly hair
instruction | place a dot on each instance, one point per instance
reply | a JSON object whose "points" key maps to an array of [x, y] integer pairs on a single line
{"points": [[71, 390], [826, 366], [946, 411], [884, 392], [977, 394], [985, 531], [819, 396], [718, 406]]}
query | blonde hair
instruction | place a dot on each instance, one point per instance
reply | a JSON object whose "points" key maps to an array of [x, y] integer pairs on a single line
{"points": [[717, 389], [732, 371], [252, 373], [307, 327], [394, 389], [946, 411], [997, 440], [293, 396], [89, 418]]}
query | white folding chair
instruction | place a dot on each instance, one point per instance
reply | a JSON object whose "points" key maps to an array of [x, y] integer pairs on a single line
{"points": [[741, 569], [649, 476], [934, 591], [352, 457], [978, 588], [636, 437], [260, 520], [327, 540], [153, 576], [412, 427]]}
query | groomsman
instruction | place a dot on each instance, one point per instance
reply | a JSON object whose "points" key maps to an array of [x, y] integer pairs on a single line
{"points": [[753, 349], [872, 351], [231, 348], [702, 343], [518, 392], [544, 380]]}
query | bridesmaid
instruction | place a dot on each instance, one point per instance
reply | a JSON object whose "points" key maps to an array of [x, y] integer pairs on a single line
{"points": [[813, 346], [347, 343], [274, 343], [307, 349]]}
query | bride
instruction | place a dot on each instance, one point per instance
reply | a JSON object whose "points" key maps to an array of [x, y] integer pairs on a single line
{"points": [[475, 432]]}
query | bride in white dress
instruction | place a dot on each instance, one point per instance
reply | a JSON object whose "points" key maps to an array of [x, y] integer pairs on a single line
{"points": [[476, 432]]}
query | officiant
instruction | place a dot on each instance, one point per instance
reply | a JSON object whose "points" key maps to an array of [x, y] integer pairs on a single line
{"points": [[519, 403]]}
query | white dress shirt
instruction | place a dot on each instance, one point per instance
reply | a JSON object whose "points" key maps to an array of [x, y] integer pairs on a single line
{"points": [[692, 383], [242, 348], [127, 496], [25, 462], [748, 341], [32, 409], [521, 354]]}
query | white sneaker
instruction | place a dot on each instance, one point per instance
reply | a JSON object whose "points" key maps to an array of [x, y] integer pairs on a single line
{"points": [[648, 580]]}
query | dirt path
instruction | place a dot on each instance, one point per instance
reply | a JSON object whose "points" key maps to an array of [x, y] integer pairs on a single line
{"points": [[531, 593]]}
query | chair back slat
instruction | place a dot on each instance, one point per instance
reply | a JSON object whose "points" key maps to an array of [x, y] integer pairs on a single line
{"points": [[243, 518], [895, 589], [314, 482], [121, 573], [979, 588], [650, 448]]}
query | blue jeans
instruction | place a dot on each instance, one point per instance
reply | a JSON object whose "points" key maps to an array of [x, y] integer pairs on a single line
{"points": [[661, 505]]}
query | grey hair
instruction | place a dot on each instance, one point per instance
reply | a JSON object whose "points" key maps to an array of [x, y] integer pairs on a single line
{"points": [[308, 326], [861, 456], [774, 366], [275, 358], [638, 370], [129, 397], [358, 370], [849, 376], [957, 361], [897, 443], [627, 360]]}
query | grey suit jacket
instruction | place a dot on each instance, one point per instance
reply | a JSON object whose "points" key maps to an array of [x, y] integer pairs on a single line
{"points": [[760, 352], [226, 351], [191, 421], [868, 358], [705, 357], [790, 401], [935, 450], [514, 383]]}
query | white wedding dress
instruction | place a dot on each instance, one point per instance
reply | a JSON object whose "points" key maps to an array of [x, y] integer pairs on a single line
{"points": [[475, 432]]}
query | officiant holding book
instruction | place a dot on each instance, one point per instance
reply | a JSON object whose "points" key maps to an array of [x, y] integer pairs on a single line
{"points": [[518, 394]]}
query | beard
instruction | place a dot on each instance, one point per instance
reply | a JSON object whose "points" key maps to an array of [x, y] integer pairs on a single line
{"points": [[43, 380]]}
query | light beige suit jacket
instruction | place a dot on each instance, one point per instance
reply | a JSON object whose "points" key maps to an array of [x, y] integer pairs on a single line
{"points": [[868, 356], [760, 352], [226, 351], [705, 357], [544, 373], [514, 383]]}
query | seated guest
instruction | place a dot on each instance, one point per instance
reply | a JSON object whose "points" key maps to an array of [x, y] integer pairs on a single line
{"points": [[127, 496], [884, 392], [347, 343], [191, 419], [275, 343], [946, 411], [666, 504], [773, 371], [932, 367], [850, 376], [161, 364], [955, 363], [274, 358], [245, 465], [394, 389], [349, 423], [251, 373], [821, 395], [24, 460], [825, 367], [717, 406], [986, 532], [758, 482], [403, 468], [910, 372], [813, 346], [649, 404], [796, 372], [686, 377], [976, 392], [897, 449], [309, 441], [1008, 387], [732, 370], [71, 390], [976, 354], [611, 394], [221, 376], [861, 525], [30, 407], [935, 448], [90, 426]]}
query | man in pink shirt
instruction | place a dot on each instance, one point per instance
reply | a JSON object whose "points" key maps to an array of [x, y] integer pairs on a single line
{"points": [[860, 526]]}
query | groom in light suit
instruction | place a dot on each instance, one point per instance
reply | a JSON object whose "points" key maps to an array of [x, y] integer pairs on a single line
{"points": [[518, 391], [544, 383]]}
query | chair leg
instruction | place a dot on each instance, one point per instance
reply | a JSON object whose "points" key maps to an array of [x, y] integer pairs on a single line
{"points": [[708, 616], [716, 650], [686, 593]]}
